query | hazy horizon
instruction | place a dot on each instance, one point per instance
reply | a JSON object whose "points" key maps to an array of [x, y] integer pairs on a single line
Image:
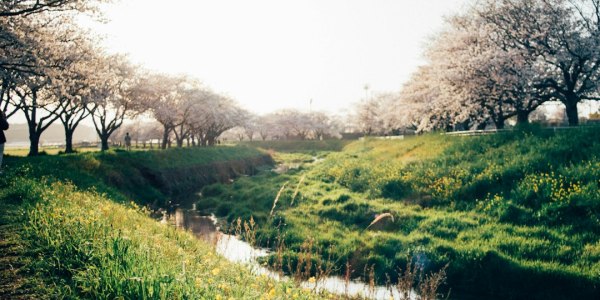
{"points": [[271, 54]]}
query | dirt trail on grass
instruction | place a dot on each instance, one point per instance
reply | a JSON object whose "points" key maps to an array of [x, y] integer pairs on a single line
{"points": [[13, 283]]}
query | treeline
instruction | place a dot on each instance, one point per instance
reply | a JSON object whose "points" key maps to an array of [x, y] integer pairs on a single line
{"points": [[51, 70], [496, 60]]}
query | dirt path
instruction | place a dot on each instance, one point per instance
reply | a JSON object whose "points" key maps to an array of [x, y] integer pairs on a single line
{"points": [[13, 283]]}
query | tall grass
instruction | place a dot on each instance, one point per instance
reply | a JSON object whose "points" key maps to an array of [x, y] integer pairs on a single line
{"points": [[512, 215], [82, 245]]}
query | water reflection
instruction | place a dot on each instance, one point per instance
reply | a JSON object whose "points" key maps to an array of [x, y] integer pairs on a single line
{"points": [[235, 250], [206, 229]]}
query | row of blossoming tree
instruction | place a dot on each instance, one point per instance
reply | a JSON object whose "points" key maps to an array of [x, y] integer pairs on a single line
{"points": [[498, 59], [51, 70]]}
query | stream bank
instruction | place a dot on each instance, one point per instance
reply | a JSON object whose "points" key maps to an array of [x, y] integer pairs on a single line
{"points": [[235, 250]]}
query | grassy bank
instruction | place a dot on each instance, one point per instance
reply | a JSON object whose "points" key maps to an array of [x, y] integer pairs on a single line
{"points": [[147, 177], [513, 215], [68, 243], [68, 231]]}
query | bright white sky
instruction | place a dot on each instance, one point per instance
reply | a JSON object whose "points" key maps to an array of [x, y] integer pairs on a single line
{"points": [[272, 54]]}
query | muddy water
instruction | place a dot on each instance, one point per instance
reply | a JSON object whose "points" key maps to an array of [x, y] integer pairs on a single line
{"points": [[235, 250]]}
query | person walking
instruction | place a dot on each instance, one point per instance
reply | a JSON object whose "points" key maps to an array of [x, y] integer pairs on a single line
{"points": [[127, 141], [3, 126]]}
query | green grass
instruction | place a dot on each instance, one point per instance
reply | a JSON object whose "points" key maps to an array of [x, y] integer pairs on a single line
{"points": [[80, 244], [70, 231], [514, 215], [51, 150], [305, 146], [147, 177]]}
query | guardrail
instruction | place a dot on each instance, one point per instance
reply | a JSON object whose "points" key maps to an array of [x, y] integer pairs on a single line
{"points": [[494, 131]]}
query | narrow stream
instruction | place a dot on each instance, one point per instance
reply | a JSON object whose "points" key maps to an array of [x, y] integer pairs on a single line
{"points": [[236, 250]]}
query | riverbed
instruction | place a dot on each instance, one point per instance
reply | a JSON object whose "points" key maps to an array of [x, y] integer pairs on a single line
{"points": [[233, 249]]}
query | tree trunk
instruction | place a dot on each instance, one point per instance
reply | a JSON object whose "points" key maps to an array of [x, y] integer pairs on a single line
{"points": [[69, 140], [481, 126], [571, 110], [522, 117], [499, 122], [34, 142], [165, 139], [465, 125], [104, 142]]}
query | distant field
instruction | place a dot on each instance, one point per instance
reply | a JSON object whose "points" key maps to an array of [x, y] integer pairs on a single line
{"points": [[299, 145], [53, 150], [20, 151]]}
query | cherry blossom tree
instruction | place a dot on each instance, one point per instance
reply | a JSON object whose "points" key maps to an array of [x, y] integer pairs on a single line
{"points": [[73, 85], [186, 97], [264, 127], [502, 59], [19, 60], [113, 99], [161, 95], [322, 125], [563, 36], [214, 115], [250, 126], [51, 50], [13, 8], [489, 82]]}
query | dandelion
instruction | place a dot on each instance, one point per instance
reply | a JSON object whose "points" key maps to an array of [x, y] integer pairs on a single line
{"points": [[312, 280], [215, 271]]}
